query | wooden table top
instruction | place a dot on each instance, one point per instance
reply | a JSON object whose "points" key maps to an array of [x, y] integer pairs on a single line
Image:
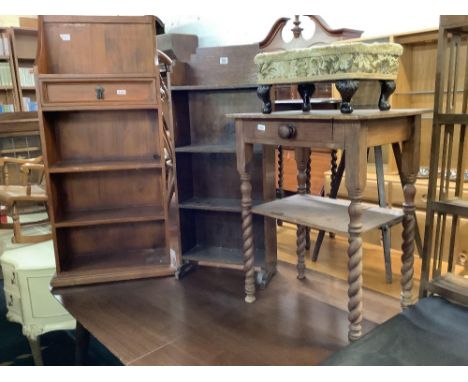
{"points": [[360, 114], [203, 319]]}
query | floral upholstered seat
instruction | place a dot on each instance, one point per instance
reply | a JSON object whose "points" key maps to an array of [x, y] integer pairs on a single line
{"points": [[342, 63]]}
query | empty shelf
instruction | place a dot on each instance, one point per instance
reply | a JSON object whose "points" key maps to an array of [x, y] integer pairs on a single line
{"points": [[110, 216], [452, 287], [454, 207], [221, 257]]}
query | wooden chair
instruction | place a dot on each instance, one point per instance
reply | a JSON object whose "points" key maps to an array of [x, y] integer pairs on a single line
{"points": [[11, 196]]}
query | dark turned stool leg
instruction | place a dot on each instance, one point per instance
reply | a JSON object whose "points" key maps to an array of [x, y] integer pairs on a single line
{"points": [[306, 91], [386, 90], [263, 92], [82, 343], [280, 190], [346, 88]]}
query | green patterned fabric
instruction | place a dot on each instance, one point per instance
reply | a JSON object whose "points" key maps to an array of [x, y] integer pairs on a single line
{"points": [[332, 62]]}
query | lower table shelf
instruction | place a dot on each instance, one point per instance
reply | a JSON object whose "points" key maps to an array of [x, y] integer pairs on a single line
{"points": [[222, 257], [326, 214]]}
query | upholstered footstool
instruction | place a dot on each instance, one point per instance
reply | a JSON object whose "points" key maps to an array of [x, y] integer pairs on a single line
{"points": [[342, 63]]}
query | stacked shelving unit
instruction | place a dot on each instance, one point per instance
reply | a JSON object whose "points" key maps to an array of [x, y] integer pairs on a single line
{"points": [[446, 206], [101, 129]]}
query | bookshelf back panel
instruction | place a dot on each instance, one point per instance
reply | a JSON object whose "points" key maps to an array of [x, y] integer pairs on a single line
{"points": [[208, 109], [104, 48], [93, 191], [101, 136], [25, 44], [217, 229], [214, 176], [109, 241]]}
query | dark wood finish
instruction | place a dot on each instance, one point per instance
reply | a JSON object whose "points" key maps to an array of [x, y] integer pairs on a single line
{"points": [[353, 133], [291, 323], [82, 341], [450, 120], [103, 134], [216, 81]]}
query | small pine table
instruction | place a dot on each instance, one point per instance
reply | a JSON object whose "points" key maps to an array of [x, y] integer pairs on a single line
{"points": [[353, 133]]}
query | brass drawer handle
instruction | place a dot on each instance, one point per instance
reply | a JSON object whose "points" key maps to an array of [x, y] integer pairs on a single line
{"points": [[10, 303], [286, 131], [99, 92], [13, 279]]}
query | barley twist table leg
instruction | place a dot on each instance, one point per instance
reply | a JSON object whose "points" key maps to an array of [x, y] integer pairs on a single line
{"points": [[407, 246], [247, 236], [301, 251], [355, 269]]}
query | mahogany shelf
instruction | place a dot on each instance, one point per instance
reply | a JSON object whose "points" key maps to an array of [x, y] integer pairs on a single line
{"points": [[222, 257], [151, 262], [110, 216], [213, 204]]}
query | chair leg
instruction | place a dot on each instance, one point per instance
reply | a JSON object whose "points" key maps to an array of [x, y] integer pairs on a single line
{"points": [[386, 239], [16, 225], [18, 237]]}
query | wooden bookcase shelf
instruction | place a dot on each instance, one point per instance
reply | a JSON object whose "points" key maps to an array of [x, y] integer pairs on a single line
{"points": [[207, 178], [101, 128]]}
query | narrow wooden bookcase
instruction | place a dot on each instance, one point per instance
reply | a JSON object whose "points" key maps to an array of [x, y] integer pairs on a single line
{"points": [[8, 93], [101, 130], [207, 179], [24, 43]]}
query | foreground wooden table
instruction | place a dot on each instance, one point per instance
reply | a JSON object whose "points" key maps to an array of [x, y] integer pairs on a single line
{"points": [[353, 133], [201, 319]]}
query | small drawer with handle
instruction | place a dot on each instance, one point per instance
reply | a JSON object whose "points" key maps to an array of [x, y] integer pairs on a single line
{"points": [[295, 133], [10, 279], [13, 302], [137, 91]]}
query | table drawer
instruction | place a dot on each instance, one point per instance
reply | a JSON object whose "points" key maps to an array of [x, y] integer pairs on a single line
{"points": [[10, 279], [319, 134], [101, 92], [13, 302]]}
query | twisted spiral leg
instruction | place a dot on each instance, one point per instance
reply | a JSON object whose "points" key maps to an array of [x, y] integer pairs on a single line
{"points": [[333, 177], [355, 270], [301, 250], [247, 237], [407, 246]]}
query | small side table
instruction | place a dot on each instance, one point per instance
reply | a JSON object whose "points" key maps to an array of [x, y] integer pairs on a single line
{"points": [[27, 272], [332, 129]]}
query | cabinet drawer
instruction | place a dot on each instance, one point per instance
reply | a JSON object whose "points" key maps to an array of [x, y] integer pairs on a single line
{"points": [[13, 302], [100, 92], [289, 134], [10, 279]]}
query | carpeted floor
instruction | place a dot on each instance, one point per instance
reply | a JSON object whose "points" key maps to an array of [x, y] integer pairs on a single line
{"points": [[432, 332], [58, 348]]}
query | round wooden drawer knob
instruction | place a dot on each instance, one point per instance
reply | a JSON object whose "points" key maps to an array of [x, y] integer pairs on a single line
{"points": [[287, 131]]}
